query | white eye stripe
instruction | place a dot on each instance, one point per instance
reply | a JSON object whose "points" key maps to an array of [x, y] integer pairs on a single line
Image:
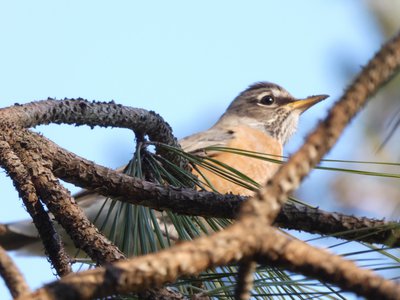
{"points": [[275, 93], [281, 94]]}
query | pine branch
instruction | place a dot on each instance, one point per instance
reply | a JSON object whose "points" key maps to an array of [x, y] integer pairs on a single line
{"points": [[27, 191], [314, 220], [12, 276], [105, 114], [245, 280]]}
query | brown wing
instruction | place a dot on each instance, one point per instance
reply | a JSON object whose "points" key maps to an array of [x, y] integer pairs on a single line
{"points": [[215, 136]]}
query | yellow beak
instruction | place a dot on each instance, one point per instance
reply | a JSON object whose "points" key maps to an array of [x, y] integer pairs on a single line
{"points": [[304, 104]]}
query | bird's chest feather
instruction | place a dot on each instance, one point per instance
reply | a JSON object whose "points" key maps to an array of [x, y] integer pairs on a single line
{"points": [[250, 139]]}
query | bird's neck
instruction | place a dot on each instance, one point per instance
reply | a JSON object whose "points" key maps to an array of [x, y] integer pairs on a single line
{"points": [[279, 129], [282, 129]]}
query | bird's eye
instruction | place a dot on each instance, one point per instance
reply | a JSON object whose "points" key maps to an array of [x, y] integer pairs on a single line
{"points": [[267, 100]]}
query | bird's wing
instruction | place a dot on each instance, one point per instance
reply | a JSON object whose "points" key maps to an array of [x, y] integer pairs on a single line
{"points": [[215, 136]]}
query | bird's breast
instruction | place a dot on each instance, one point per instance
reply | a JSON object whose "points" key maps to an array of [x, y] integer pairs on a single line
{"points": [[249, 139]]}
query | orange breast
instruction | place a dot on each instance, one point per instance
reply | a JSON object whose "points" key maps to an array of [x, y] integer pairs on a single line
{"points": [[245, 138]]}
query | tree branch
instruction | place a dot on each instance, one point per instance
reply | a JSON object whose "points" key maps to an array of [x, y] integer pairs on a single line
{"points": [[300, 257], [314, 220], [82, 112], [239, 240], [84, 234], [23, 183], [86, 174], [12, 276], [245, 279], [58, 200]]}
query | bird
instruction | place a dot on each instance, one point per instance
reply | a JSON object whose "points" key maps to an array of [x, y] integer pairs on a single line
{"points": [[262, 118]]}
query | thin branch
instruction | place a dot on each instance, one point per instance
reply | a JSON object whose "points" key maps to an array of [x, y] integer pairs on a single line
{"points": [[292, 216], [23, 183], [61, 204], [13, 278], [82, 112], [314, 220], [300, 257], [161, 294], [245, 279]]}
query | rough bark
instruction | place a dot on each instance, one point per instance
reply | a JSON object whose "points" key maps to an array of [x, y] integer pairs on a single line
{"points": [[13, 278]]}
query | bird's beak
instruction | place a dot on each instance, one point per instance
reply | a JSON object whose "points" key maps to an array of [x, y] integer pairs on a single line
{"points": [[304, 104]]}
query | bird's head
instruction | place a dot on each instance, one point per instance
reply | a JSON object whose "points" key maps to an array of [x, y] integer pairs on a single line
{"points": [[271, 108]]}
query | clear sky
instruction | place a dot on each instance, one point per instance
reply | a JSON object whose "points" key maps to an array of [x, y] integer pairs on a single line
{"points": [[185, 60]]}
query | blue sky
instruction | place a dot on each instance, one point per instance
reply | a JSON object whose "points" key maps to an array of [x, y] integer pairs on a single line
{"points": [[184, 60]]}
